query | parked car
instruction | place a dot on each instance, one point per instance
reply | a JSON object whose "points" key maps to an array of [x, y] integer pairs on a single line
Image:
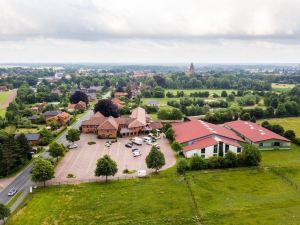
{"points": [[147, 139], [107, 144], [128, 145], [136, 153], [137, 141], [149, 142], [141, 173], [156, 145], [72, 146], [12, 192], [135, 149]]}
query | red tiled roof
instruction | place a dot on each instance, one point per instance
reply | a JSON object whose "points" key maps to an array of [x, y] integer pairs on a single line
{"points": [[109, 124], [195, 129], [253, 131], [203, 143]]}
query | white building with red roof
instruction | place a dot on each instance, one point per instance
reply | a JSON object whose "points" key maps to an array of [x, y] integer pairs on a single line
{"points": [[206, 139], [257, 135]]}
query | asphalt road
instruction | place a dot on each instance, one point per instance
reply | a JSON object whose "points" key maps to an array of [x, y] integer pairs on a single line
{"points": [[23, 181]]}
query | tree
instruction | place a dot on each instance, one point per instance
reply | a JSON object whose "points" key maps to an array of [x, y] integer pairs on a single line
{"points": [[224, 94], [176, 146], [182, 166], [25, 146], [56, 150], [4, 211], [281, 110], [170, 134], [251, 155], [158, 92], [73, 135], [245, 116], [155, 159], [79, 96], [42, 170], [106, 167], [106, 108], [290, 134]]}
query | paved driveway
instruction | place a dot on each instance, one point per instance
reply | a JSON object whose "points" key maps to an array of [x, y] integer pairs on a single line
{"points": [[82, 161]]}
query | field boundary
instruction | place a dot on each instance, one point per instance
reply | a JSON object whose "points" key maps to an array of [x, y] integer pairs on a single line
{"points": [[195, 206], [283, 176]]}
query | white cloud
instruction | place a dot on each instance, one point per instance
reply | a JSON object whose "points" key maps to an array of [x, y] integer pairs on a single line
{"points": [[150, 30]]}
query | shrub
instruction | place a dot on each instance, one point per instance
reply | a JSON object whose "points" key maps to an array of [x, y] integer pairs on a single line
{"points": [[290, 134], [251, 156], [176, 146], [198, 163], [182, 166], [91, 143], [230, 160], [70, 175], [215, 162]]}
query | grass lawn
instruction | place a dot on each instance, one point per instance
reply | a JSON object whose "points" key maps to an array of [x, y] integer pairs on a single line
{"points": [[161, 200], [282, 87], [2, 112], [289, 123], [4, 96], [233, 196]]}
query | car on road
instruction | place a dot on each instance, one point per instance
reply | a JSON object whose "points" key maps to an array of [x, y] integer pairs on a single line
{"points": [[128, 145], [12, 192], [136, 153], [72, 146]]}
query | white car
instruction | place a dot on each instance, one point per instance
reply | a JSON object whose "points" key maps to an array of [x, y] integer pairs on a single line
{"points": [[141, 173], [136, 153], [72, 146], [107, 144], [12, 192], [148, 142]]}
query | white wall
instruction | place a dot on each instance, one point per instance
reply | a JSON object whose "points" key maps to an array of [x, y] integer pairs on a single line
{"points": [[209, 151]]}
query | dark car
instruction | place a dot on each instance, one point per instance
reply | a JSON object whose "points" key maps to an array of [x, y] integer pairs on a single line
{"points": [[128, 145]]}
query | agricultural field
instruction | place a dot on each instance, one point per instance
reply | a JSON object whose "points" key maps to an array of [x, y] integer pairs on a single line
{"points": [[282, 87], [4, 96], [232, 196], [289, 123], [211, 91]]}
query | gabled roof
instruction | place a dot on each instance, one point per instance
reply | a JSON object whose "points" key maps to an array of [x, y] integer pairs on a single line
{"points": [[139, 114], [203, 143], [253, 131], [97, 115], [51, 113], [109, 124], [196, 129]]}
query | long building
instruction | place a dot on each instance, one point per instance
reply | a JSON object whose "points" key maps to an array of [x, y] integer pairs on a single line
{"points": [[110, 127], [257, 135], [206, 139]]}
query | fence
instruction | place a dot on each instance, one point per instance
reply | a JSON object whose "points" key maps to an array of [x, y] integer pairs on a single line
{"points": [[71, 181], [283, 176]]}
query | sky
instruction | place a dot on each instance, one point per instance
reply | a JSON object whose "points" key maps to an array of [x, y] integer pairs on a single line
{"points": [[150, 31]]}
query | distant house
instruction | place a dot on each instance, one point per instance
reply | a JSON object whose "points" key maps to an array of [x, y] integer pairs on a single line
{"points": [[118, 103], [92, 96], [62, 118], [109, 127], [79, 106], [50, 114], [257, 135], [33, 118], [56, 91], [32, 138], [3, 88], [39, 107], [206, 139], [120, 94], [153, 103]]}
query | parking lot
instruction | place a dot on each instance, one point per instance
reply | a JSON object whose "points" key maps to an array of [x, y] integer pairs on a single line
{"points": [[81, 162]]}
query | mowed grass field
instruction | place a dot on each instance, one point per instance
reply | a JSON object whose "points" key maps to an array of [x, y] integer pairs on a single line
{"points": [[211, 91], [233, 196], [4, 96], [289, 123], [282, 87]]}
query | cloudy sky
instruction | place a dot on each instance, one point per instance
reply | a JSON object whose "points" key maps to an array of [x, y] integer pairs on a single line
{"points": [[150, 31]]}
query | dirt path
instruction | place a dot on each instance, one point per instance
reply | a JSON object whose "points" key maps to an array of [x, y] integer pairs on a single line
{"points": [[11, 97]]}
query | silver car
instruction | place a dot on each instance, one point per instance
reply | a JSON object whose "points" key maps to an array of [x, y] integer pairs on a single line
{"points": [[12, 192]]}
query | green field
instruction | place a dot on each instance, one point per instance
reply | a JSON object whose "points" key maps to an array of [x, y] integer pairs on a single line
{"points": [[4, 96], [211, 91], [2, 112], [289, 123], [233, 196], [282, 87]]}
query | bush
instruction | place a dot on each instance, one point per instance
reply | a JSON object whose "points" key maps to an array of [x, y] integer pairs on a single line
{"points": [[251, 156], [230, 160], [182, 166], [215, 162], [70, 175], [91, 143], [198, 163]]}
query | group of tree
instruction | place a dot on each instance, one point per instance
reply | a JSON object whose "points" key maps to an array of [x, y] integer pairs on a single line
{"points": [[169, 114], [250, 156], [78, 96], [15, 152], [106, 108]]}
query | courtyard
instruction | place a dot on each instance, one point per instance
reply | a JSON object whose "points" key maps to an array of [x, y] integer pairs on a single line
{"points": [[81, 162]]}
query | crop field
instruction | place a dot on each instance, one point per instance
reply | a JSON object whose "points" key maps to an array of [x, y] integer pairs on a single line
{"points": [[4, 96]]}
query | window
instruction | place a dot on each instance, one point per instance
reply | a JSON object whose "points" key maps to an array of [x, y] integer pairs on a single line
{"points": [[239, 150], [277, 144], [261, 144], [203, 151], [226, 148], [215, 148]]}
